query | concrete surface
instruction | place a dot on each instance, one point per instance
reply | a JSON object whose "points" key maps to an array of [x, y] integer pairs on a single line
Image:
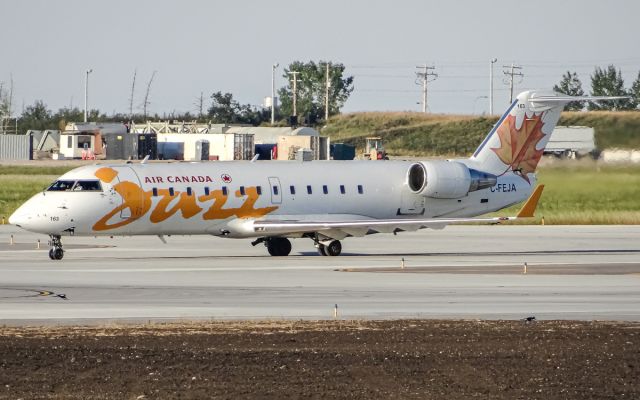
{"points": [[574, 272]]}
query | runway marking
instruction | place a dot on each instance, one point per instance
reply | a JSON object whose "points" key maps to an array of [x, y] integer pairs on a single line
{"points": [[609, 268], [33, 293]]}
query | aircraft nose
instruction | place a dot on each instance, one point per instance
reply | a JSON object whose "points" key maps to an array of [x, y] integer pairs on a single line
{"points": [[17, 219]]}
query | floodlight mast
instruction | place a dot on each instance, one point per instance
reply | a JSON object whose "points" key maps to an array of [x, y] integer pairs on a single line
{"points": [[86, 92]]}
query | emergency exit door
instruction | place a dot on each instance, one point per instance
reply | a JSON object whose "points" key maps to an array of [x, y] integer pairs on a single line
{"points": [[274, 188]]}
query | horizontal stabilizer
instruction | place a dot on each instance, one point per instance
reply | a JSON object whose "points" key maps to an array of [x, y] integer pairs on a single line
{"points": [[567, 99]]}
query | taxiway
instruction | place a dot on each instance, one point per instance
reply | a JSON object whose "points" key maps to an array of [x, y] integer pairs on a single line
{"points": [[573, 272]]}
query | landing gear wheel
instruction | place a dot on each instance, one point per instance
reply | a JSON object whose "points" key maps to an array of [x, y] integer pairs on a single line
{"points": [[56, 252], [278, 247], [334, 248], [322, 250]]}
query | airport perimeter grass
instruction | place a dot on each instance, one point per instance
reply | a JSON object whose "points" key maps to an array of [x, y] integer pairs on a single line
{"points": [[417, 134], [575, 193], [586, 193]]}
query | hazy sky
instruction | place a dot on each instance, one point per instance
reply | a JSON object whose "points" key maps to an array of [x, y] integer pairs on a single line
{"points": [[230, 46]]}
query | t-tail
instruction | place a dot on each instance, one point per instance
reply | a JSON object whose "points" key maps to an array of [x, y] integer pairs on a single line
{"points": [[517, 140]]}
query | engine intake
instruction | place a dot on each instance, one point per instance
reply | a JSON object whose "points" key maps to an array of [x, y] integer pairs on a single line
{"points": [[447, 179]]}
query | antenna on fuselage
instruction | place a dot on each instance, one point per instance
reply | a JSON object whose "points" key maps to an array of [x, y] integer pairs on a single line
{"points": [[145, 159], [255, 157]]}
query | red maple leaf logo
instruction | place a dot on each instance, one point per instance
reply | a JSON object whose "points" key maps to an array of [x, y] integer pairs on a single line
{"points": [[518, 146], [226, 178]]}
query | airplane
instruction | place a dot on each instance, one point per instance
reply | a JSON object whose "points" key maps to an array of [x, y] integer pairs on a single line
{"points": [[325, 201]]}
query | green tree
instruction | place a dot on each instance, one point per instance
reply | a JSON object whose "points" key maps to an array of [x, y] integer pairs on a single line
{"points": [[311, 87], [36, 116], [635, 92], [571, 85], [5, 107], [65, 115], [609, 82], [225, 110]]}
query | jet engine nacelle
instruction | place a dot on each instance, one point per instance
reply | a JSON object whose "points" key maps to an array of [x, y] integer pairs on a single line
{"points": [[446, 179]]}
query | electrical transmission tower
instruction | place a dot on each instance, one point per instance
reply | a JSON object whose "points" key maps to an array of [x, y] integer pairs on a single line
{"points": [[423, 77], [199, 104], [510, 73]]}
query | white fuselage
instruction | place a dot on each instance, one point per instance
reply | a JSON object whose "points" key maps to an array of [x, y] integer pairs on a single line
{"points": [[218, 197]]}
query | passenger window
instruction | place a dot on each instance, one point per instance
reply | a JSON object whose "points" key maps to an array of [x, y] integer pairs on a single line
{"points": [[259, 190], [242, 192], [154, 192], [275, 190], [61, 186], [325, 189], [342, 189], [189, 191], [308, 189], [292, 189], [171, 192], [360, 189], [224, 190], [206, 191]]}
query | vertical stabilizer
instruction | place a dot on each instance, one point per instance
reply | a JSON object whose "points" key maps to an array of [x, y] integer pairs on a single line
{"points": [[518, 139]]}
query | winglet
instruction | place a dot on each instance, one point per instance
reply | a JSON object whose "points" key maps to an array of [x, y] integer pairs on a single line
{"points": [[532, 202]]}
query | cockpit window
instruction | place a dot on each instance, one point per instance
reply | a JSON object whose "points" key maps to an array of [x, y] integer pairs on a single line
{"points": [[61, 186], [92, 185], [75, 186]]}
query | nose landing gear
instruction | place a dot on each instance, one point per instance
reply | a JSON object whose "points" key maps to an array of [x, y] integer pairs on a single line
{"points": [[56, 252], [332, 249]]}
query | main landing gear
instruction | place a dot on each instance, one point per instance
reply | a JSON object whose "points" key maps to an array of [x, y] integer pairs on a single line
{"points": [[281, 247], [56, 252], [333, 248], [276, 246]]}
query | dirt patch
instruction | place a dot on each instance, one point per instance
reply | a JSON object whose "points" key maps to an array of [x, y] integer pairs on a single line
{"points": [[421, 359]]}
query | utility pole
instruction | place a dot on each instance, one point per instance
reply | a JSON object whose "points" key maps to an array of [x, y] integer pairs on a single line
{"points": [[510, 74], [326, 95], [273, 92], [295, 91], [422, 78], [493, 61], [86, 92]]}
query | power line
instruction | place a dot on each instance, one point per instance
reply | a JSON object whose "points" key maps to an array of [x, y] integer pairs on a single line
{"points": [[423, 78]]}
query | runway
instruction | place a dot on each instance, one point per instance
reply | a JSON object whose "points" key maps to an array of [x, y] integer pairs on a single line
{"points": [[573, 272]]}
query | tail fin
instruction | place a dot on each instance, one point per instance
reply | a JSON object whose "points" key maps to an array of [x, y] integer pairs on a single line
{"points": [[518, 139]]}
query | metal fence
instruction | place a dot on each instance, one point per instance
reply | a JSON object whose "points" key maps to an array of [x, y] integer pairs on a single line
{"points": [[16, 147]]}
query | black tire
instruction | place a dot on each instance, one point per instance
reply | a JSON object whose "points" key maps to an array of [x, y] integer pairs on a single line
{"points": [[322, 250], [279, 247], [51, 254], [334, 248], [58, 253]]}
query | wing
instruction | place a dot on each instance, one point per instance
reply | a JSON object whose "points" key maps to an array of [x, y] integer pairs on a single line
{"points": [[352, 226]]}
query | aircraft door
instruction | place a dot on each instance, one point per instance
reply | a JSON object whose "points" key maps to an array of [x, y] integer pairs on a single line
{"points": [[130, 190], [275, 189]]}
